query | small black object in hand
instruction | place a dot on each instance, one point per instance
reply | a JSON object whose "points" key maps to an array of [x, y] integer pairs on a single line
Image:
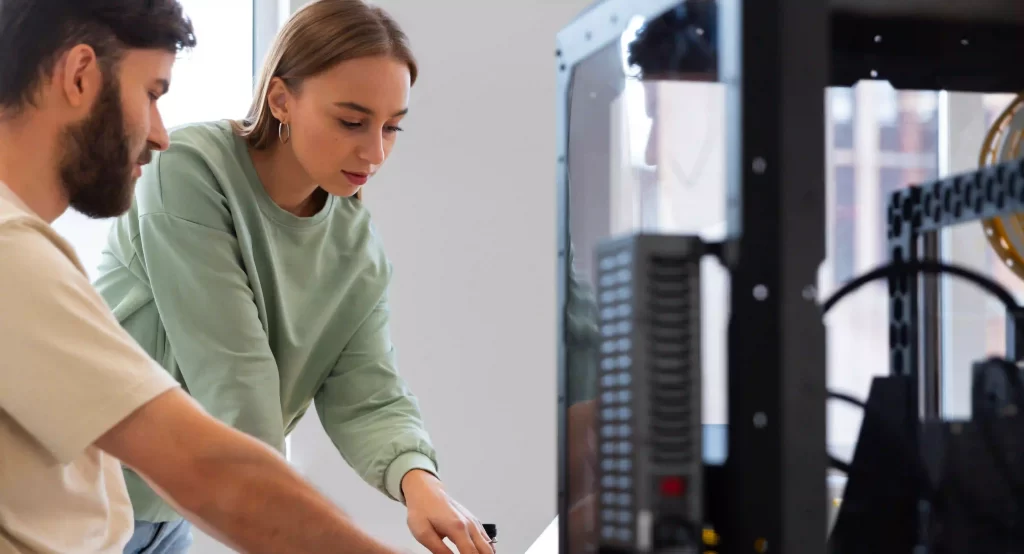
{"points": [[492, 531]]}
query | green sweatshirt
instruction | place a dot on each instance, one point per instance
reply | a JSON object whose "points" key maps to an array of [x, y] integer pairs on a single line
{"points": [[258, 312]]}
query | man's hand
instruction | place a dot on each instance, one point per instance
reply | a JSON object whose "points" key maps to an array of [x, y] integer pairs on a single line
{"points": [[434, 516]]}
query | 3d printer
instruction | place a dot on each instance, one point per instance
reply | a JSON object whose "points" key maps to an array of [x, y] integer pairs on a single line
{"points": [[645, 462]]}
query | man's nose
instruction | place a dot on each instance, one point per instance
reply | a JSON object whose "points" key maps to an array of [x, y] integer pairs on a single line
{"points": [[158, 138]]}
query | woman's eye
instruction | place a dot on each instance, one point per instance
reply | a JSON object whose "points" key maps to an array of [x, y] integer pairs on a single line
{"points": [[393, 129], [350, 125]]}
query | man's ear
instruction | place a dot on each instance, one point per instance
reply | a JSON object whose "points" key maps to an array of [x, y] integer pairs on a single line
{"points": [[278, 98], [78, 76]]}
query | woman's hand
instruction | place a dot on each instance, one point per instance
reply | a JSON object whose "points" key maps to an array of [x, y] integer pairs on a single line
{"points": [[434, 516]]}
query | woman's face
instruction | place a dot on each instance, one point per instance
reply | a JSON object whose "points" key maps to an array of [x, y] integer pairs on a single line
{"points": [[344, 122]]}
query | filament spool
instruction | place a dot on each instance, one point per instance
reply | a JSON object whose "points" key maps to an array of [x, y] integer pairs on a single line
{"points": [[1005, 142]]}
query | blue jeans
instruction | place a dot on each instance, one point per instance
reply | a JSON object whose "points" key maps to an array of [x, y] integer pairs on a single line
{"points": [[170, 537]]}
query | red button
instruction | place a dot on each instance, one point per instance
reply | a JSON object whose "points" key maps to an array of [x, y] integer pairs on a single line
{"points": [[673, 486]]}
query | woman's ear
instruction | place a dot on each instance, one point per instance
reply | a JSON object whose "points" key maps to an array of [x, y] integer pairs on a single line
{"points": [[279, 99]]}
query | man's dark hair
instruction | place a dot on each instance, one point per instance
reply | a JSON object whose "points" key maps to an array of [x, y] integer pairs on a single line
{"points": [[35, 33], [683, 40]]}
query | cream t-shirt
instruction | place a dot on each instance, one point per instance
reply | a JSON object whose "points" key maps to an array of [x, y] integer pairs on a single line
{"points": [[68, 374]]}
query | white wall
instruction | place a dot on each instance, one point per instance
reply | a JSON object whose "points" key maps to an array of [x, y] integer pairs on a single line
{"points": [[466, 207]]}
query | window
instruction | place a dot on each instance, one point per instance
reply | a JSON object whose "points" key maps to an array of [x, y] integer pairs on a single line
{"points": [[973, 322], [213, 81], [841, 112], [884, 140], [898, 138], [844, 224]]}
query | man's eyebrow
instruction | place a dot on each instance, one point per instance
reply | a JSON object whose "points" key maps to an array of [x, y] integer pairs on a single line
{"points": [[365, 110]]}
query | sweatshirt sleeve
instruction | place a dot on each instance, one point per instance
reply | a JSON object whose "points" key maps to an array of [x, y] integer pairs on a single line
{"points": [[206, 303], [369, 412]]}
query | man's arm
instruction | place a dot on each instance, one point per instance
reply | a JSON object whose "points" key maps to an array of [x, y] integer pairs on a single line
{"points": [[231, 485], [73, 377]]}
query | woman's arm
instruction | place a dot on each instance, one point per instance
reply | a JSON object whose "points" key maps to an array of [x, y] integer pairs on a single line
{"points": [[374, 420], [203, 295], [370, 414]]}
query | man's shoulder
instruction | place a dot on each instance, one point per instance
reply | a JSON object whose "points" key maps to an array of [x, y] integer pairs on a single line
{"points": [[25, 238], [13, 211]]}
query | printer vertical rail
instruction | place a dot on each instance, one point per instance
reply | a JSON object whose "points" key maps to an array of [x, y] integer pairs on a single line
{"points": [[774, 67]]}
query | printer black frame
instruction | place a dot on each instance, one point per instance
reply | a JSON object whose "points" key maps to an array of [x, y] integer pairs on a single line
{"points": [[776, 57]]}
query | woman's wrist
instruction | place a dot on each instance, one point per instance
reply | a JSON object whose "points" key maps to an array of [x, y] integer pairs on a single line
{"points": [[417, 480]]}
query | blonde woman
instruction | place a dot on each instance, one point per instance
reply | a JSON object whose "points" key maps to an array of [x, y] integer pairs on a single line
{"points": [[249, 268]]}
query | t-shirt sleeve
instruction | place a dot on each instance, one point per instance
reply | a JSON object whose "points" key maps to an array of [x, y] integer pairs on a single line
{"points": [[69, 372]]}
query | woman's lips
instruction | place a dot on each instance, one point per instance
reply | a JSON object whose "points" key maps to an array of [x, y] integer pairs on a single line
{"points": [[357, 179]]}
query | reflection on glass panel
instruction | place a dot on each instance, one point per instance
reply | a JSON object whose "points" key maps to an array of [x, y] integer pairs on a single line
{"points": [[645, 155], [602, 198]]}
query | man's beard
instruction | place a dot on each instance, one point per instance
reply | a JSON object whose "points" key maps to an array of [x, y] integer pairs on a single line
{"points": [[96, 168]]}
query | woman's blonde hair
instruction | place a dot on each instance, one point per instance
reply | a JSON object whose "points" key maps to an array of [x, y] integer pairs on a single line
{"points": [[317, 37]]}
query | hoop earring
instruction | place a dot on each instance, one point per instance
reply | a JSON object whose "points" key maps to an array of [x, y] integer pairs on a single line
{"points": [[281, 135]]}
